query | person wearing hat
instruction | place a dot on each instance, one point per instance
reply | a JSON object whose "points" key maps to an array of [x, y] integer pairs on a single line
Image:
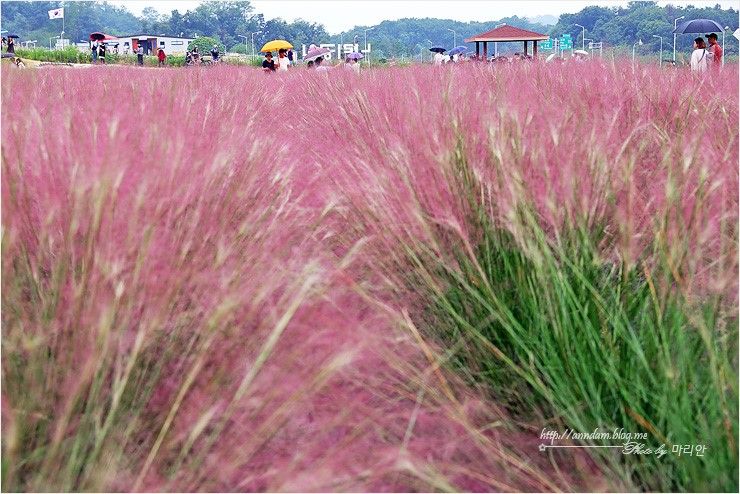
{"points": [[715, 50], [269, 64]]}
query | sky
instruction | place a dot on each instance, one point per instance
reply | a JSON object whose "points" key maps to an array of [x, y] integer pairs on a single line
{"points": [[342, 15]]}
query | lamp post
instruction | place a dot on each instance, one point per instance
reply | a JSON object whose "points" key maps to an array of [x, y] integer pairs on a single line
{"points": [[583, 37], [366, 30], [723, 44], [431, 57], [454, 37], [252, 34], [638, 42], [661, 49], [675, 24], [495, 43], [246, 45]]}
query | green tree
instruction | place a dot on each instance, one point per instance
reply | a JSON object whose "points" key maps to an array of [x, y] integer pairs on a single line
{"points": [[205, 44]]}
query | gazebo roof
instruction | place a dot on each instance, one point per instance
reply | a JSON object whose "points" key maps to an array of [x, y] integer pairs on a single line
{"points": [[508, 33]]}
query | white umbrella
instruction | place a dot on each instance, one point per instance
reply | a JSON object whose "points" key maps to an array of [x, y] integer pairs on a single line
{"points": [[581, 52], [550, 57]]}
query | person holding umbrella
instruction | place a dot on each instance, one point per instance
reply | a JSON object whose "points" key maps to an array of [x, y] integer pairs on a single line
{"points": [[283, 62], [715, 50], [11, 45]]}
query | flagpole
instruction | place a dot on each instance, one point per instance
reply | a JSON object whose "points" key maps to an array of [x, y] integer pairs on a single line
{"points": [[63, 16]]}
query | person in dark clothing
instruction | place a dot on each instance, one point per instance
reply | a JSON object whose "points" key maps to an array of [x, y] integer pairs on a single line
{"points": [[140, 54], [269, 64], [101, 53], [290, 57], [11, 45], [215, 53]]}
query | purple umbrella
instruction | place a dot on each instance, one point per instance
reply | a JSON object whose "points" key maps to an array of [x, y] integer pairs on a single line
{"points": [[355, 56], [316, 53]]}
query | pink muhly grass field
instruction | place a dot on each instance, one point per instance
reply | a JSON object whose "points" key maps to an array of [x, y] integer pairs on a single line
{"points": [[204, 271]]}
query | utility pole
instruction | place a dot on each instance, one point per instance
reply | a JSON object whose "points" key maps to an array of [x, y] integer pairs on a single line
{"points": [[675, 23]]}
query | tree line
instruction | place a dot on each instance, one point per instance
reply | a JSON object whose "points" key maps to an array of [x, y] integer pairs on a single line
{"points": [[409, 38]]}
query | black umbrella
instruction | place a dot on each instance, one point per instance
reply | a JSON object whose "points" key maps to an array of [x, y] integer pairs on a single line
{"points": [[97, 36], [698, 26], [12, 36], [8, 55], [438, 49]]}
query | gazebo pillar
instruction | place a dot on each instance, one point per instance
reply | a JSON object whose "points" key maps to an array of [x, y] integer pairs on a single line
{"points": [[534, 49], [526, 43], [485, 50], [477, 49]]}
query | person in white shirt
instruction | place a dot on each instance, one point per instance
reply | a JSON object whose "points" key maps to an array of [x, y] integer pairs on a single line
{"points": [[283, 62], [699, 56], [439, 59], [351, 64]]}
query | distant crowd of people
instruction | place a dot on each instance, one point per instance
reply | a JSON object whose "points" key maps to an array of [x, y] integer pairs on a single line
{"points": [[285, 61]]}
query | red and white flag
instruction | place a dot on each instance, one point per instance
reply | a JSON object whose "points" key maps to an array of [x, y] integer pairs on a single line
{"points": [[56, 14]]}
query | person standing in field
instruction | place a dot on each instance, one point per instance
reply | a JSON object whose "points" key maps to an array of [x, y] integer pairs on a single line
{"points": [[698, 61], [215, 53], [268, 65], [101, 53], [715, 50], [94, 50], [282, 62], [162, 57], [11, 45], [140, 55], [290, 57]]}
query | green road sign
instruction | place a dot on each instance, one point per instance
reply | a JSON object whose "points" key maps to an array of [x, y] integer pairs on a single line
{"points": [[546, 45]]}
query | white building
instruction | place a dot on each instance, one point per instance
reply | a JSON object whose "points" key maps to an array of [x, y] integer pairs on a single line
{"points": [[151, 42]]}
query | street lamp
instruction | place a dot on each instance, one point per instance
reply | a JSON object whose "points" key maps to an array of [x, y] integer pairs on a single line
{"points": [[246, 46], [252, 34], [495, 43], [454, 37], [589, 46], [723, 44], [675, 24], [583, 37], [366, 30], [53, 37], [661, 49], [638, 42]]}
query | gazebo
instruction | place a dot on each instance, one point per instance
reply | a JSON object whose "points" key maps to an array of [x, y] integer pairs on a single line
{"points": [[506, 34]]}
